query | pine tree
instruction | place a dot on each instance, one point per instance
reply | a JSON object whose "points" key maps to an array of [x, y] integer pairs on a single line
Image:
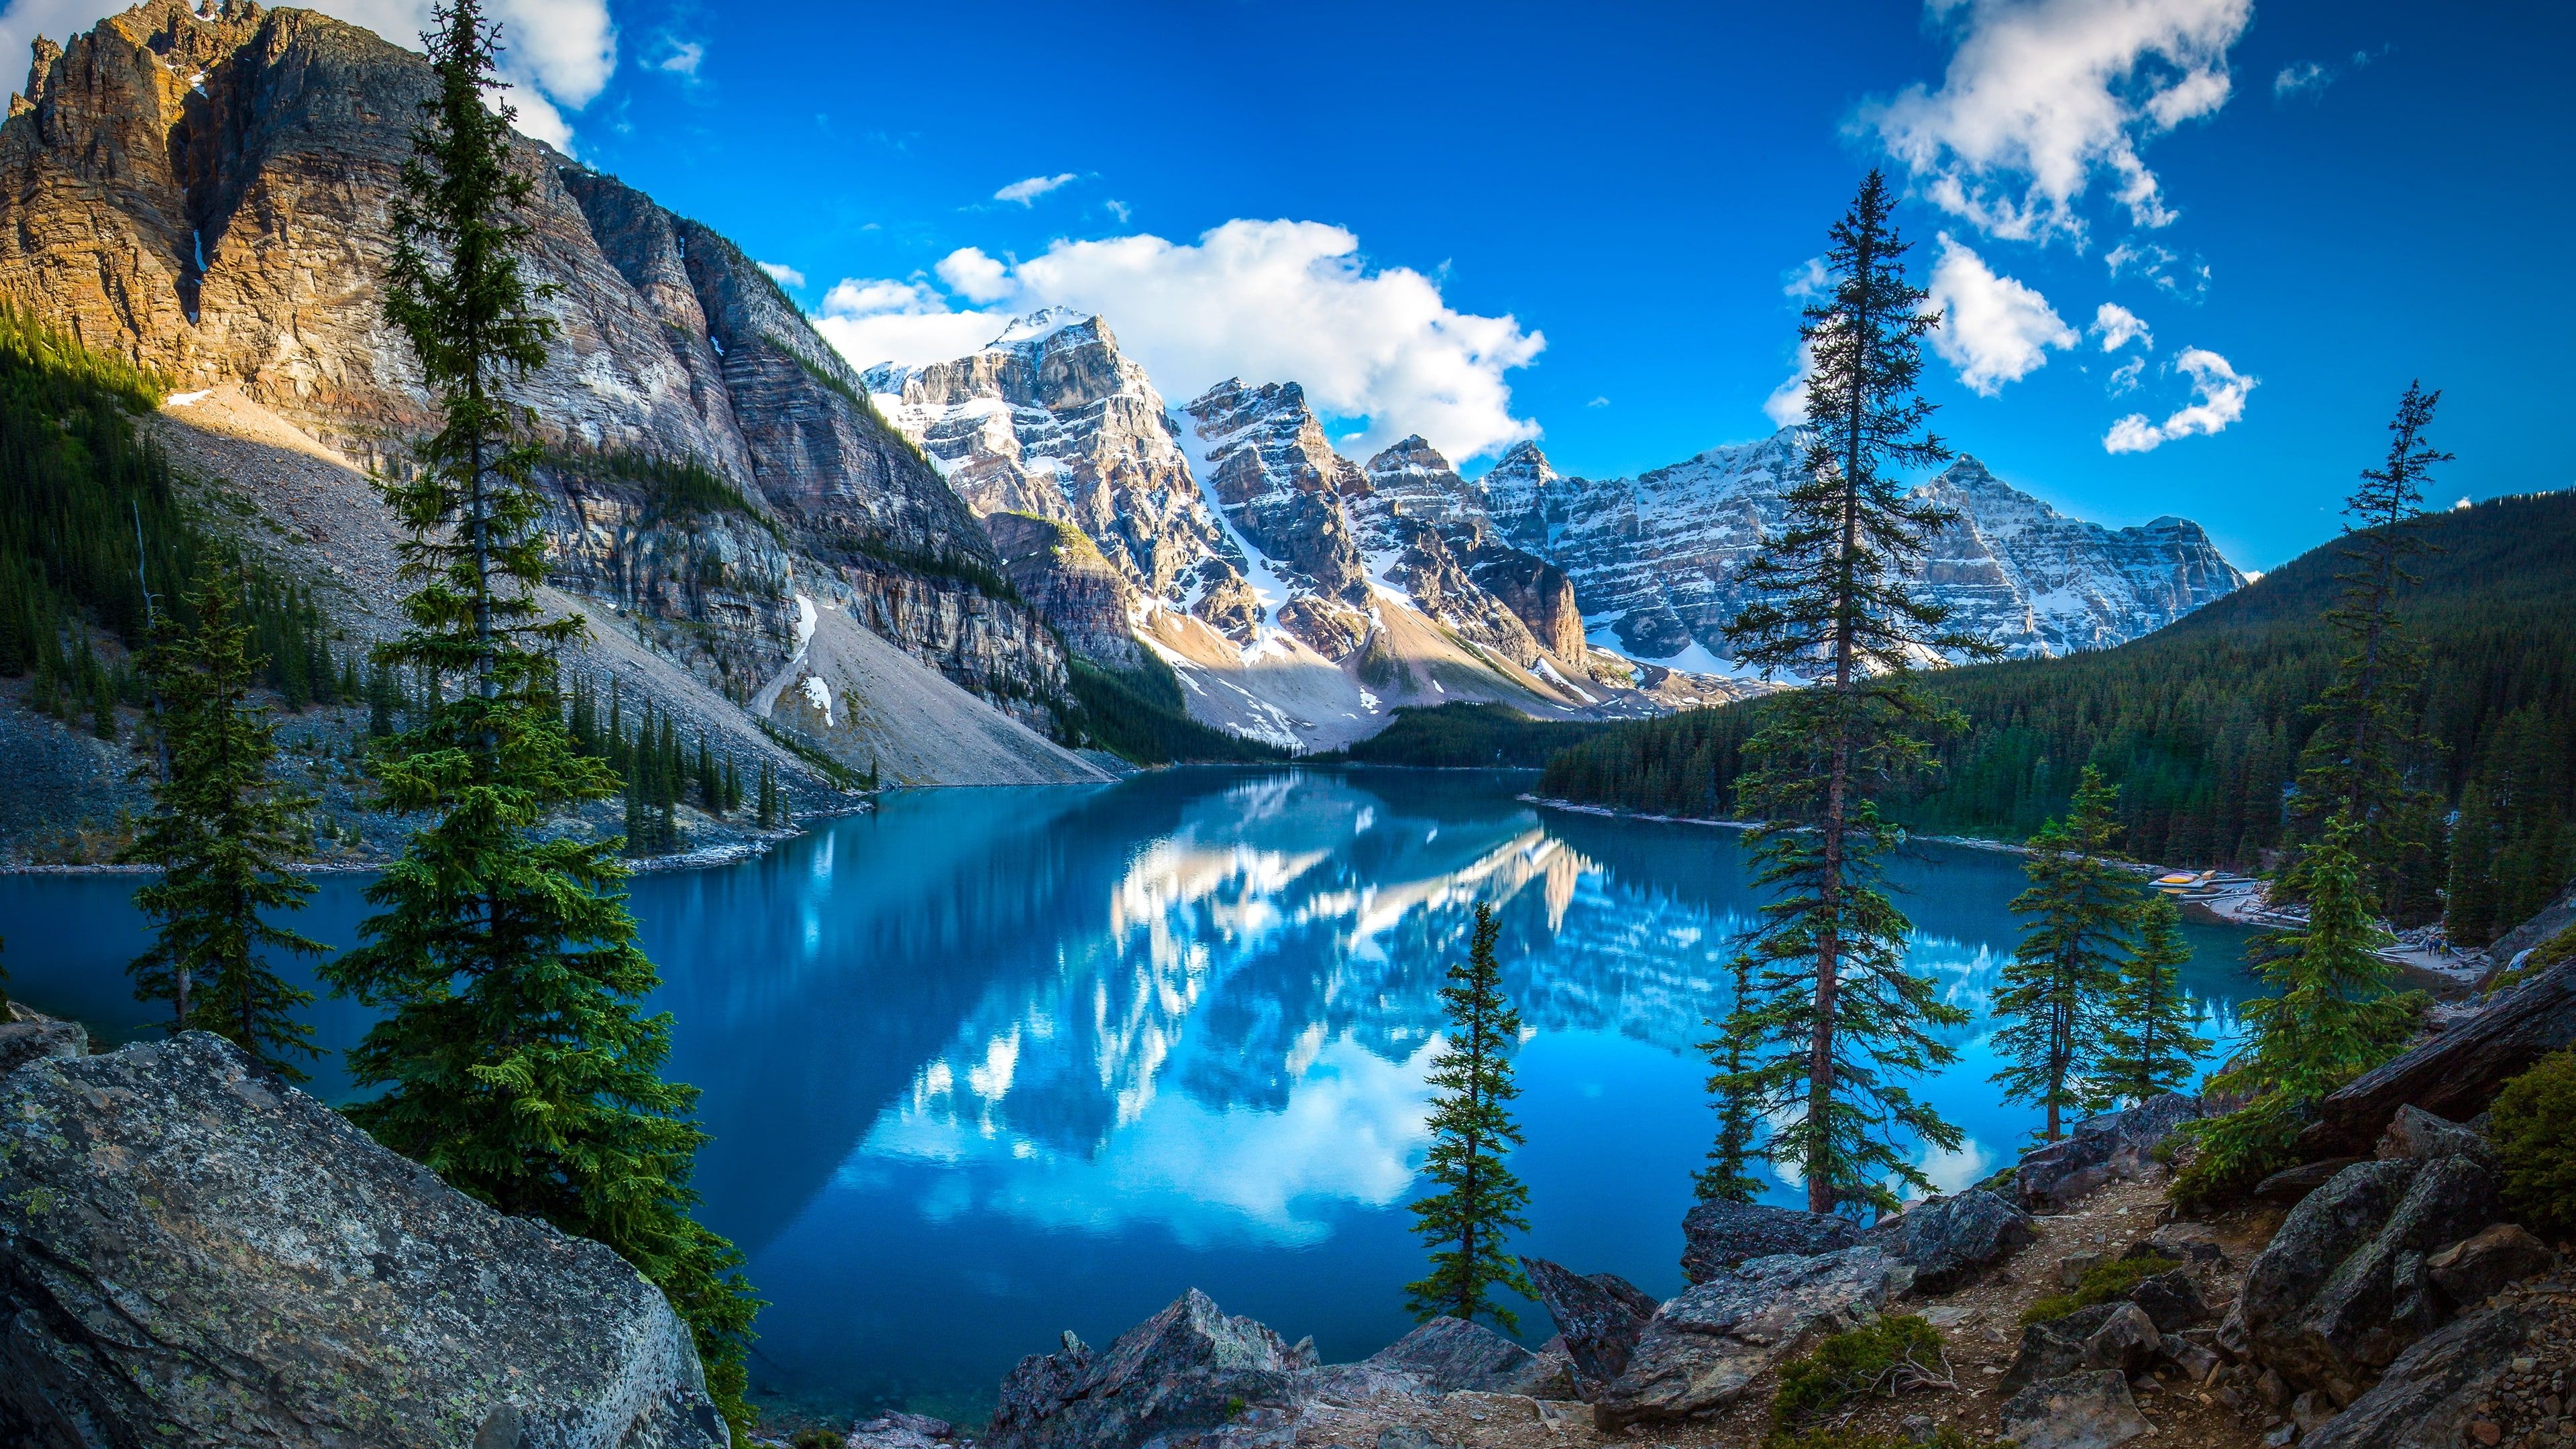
{"points": [[1471, 1129], [2079, 907], [2355, 766], [772, 806], [1736, 1087], [2333, 1018], [2148, 1046], [221, 833], [515, 1057], [1843, 1017]]}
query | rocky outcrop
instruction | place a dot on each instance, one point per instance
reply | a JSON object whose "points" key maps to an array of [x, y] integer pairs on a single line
{"points": [[1056, 568], [2457, 1072], [1264, 458], [2104, 1336], [211, 196], [1949, 1240], [1703, 1349], [2435, 1393], [2111, 1145], [1717, 1236], [192, 1253], [1600, 1317], [26, 1037], [2344, 1286], [1189, 1367], [1425, 535], [1449, 1354], [1052, 420]]}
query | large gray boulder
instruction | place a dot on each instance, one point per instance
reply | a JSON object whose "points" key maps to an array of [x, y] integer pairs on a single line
{"points": [[1600, 1317], [1704, 1348], [2080, 1411], [1948, 1240], [1187, 1369], [2101, 1148], [2055, 1347], [27, 1037], [2343, 1287], [2436, 1389], [2458, 1071], [191, 1254], [1718, 1235], [1448, 1354]]}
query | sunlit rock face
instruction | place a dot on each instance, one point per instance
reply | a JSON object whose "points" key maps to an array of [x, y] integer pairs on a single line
{"points": [[1657, 561]]}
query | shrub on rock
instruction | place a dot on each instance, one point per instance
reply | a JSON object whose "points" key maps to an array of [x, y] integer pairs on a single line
{"points": [[2534, 1133], [1883, 1358], [2104, 1282]]}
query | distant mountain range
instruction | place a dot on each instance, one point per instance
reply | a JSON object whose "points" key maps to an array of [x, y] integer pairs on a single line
{"points": [[1234, 517]]}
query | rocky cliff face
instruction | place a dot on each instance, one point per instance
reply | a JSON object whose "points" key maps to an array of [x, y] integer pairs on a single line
{"points": [[1502, 596], [193, 1254], [1655, 560], [1264, 458], [211, 197]]}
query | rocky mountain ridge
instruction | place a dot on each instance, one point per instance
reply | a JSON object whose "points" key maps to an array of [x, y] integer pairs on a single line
{"points": [[209, 196]]}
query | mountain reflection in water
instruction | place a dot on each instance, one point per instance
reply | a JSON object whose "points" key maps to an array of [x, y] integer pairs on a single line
{"points": [[994, 1063]]}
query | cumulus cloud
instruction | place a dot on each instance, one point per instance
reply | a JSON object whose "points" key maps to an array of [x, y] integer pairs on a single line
{"points": [[1993, 329], [1267, 301], [2124, 378], [2161, 265], [2218, 399], [2117, 327], [2043, 96], [1809, 280], [1786, 407], [557, 55], [1027, 190], [783, 274]]}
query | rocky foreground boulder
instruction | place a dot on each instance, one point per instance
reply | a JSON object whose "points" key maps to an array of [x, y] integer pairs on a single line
{"points": [[1450, 1354], [2100, 1149], [1600, 1317], [1717, 1236], [2457, 1072], [1949, 1240], [191, 1253], [1705, 1348], [1191, 1367]]}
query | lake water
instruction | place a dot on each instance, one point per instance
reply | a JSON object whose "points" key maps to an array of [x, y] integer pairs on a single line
{"points": [[990, 1064]]}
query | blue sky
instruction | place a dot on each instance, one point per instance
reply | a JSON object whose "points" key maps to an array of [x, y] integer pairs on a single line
{"points": [[1579, 222]]}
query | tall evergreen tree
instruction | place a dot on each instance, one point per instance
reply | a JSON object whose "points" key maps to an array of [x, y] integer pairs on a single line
{"points": [[2147, 1043], [1843, 1015], [2332, 1018], [2356, 765], [514, 1054], [221, 832], [1735, 1083], [1471, 1129], [2057, 990]]}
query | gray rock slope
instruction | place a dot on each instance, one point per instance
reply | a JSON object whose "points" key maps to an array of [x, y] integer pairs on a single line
{"points": [[192, 1254]]}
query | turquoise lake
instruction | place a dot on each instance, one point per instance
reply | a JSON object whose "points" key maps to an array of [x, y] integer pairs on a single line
{"points": [[991, 1064]]}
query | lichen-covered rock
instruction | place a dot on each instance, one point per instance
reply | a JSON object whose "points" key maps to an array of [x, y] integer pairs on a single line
{"points": [[2055, 1347], [1600, 1318], [2171, 1300], [1717, 1236], [27, 1037], [1706, 1347], [2079, 1411], [2436, 1389], [2470, 1271], [1188, 1368], [1948, 1240], [192, 1254], [2112, 1145], [2342, 1288], [1448, 1354], [2418, 1134]]}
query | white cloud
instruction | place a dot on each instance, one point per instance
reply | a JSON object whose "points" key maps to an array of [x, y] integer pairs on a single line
{"points": [[556, 54], [1027, 191], [1267, 301], [1598, 402], [681, 57], [2124, 378], [1786, 407], [2043, 96], [2161, 265], [783, 274], [2306, 78], [1118, 209], [2218, 399], [974, 276], [1993, 329], [1809, 280], [2117, 326]]}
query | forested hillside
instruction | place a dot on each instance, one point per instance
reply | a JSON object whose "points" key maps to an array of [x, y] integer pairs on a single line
{"points": [[2201, 723]]}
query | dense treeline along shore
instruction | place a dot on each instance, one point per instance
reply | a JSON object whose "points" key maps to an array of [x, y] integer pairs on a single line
{"points": [[2201, 725]]}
